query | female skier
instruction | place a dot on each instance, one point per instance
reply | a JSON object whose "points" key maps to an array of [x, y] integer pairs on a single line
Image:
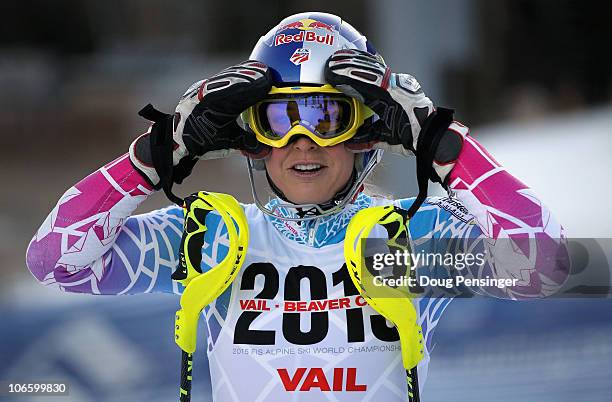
{"points": [[313, 109]]}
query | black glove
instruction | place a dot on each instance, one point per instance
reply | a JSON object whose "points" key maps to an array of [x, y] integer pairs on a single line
{"points": [[204, 126], [408, 122], [206, 116], [397, 99]]}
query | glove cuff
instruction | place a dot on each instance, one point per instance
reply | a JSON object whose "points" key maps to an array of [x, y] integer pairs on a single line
{"points": [[448, 150], [140, 157]]}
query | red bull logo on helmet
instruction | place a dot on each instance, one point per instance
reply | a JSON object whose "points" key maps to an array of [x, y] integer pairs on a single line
{"points": [[306, 26], [304, 36]]}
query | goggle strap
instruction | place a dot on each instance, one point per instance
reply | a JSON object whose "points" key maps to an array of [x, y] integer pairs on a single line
{"points": [[429, 139], [161, 149]]}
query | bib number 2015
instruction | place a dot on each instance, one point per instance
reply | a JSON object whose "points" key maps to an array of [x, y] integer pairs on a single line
{"points": [[319, 320]]}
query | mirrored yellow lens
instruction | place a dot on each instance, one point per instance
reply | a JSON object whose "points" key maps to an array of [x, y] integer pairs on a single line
{"points": [[276, 119]]}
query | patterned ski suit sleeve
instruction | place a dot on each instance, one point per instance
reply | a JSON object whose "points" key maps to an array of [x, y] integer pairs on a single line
{"points": [[493, 212], [89, 243]]}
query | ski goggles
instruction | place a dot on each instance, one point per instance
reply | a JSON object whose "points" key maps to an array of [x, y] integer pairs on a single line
{"points": [[323, 113]]}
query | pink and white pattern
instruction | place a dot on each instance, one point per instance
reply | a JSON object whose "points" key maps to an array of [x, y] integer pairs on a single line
{"points": [[83, 226], [524, 240]]}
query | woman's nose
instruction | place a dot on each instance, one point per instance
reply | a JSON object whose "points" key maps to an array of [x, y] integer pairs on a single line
{"points": [[304, 143]]}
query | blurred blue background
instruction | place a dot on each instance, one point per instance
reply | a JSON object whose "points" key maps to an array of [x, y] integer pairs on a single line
{"points": [[532, 79]]}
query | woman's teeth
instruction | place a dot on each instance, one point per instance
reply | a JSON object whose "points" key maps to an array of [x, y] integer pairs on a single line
{"points": [[307, 168]]}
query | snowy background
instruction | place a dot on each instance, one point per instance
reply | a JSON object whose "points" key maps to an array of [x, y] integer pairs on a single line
{"points": [[530, 77]]}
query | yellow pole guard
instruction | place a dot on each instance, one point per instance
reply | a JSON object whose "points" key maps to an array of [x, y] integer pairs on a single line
{"points": [[202, 288], [396, 305]]}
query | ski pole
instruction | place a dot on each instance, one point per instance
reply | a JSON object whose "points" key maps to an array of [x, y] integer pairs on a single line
{"points": [[201, 288], [395, 304]]}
